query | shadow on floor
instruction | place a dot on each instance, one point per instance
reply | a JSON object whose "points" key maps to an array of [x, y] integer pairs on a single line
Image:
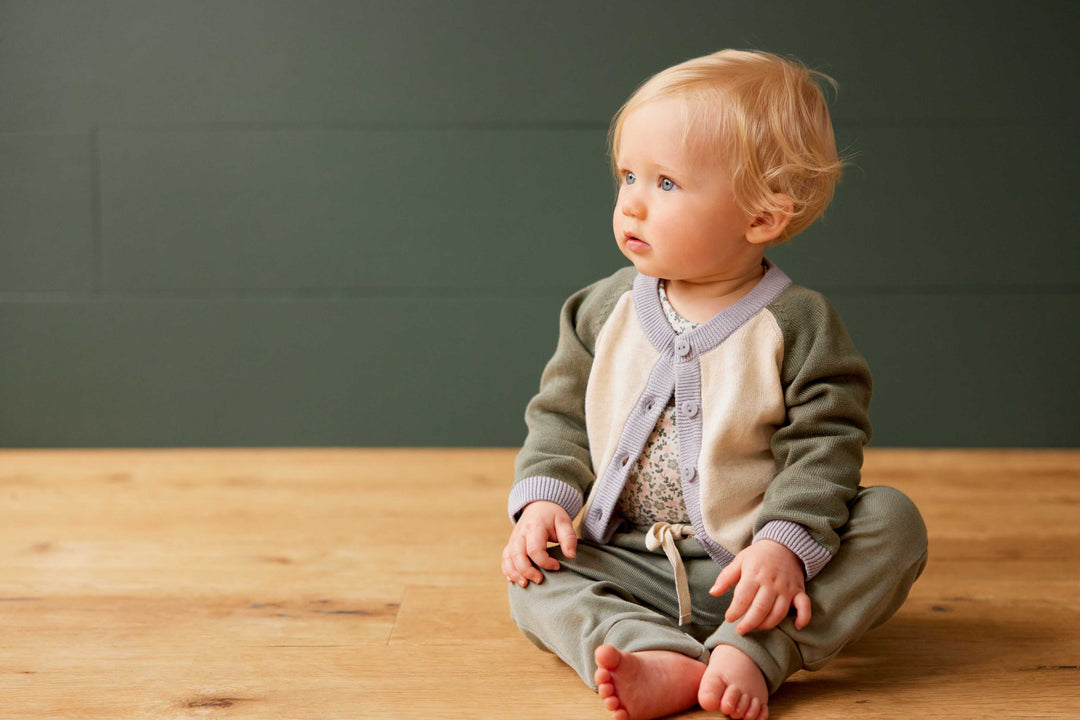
{"points": [[961, 638]]}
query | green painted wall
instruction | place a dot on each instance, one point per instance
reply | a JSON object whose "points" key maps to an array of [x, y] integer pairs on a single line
{"points": [[263, 222]]}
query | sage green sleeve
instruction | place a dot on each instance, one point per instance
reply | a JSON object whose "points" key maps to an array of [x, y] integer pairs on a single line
{"points": [[819, 449], [555, 463]]}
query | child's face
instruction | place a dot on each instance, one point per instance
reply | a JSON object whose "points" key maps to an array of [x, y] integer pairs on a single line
{"points": [[676, 216]]}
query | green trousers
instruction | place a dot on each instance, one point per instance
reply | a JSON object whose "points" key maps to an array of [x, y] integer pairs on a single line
{"points": [[622, 594]]}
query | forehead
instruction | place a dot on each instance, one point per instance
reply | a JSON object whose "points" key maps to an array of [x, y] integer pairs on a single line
{"points": [[659, 126], [661, 131]]}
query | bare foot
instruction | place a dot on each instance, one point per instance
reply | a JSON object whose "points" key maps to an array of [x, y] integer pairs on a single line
{"points": [[734, 685], [648, 684]]}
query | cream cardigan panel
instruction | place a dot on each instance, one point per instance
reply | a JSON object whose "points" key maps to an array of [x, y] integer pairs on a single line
{"points": [[742, 405], [619, 373]]}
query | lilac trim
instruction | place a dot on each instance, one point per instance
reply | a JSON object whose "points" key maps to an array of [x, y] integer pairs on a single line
{"points": [[708, 335], [798, 540], [539, 487], [688, 390]]}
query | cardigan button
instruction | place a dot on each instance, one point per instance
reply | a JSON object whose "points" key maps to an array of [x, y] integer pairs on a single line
{"points": [[689, 473], [595, 514], [690, 408], [648, 404], [682, 347]]}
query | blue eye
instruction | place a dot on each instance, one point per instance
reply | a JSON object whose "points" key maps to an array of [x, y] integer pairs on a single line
{"points": [[666, 184], [630, 178]]}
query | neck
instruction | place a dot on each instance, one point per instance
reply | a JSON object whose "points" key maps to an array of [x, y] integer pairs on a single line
{"points": [[699, 300]]}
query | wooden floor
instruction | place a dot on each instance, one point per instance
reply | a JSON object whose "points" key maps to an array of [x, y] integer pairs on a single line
{"points": [[365, 584]]}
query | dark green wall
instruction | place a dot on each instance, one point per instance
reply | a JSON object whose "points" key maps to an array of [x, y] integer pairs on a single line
{"points": [[353, 223]]}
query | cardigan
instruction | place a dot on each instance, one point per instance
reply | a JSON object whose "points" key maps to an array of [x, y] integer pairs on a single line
{"points": [[772, 403]]}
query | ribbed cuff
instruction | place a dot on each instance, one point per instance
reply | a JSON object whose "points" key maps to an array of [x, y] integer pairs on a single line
{"points": [[539, 487], [798, 540]]}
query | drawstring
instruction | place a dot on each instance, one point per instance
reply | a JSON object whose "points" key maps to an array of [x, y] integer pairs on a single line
{"points": [[664, 535]]}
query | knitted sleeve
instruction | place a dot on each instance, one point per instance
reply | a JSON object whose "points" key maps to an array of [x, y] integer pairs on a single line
{"points": [[554, 463], [819, 449]]}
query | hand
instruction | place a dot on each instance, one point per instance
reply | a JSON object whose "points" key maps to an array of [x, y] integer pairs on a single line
{"points": [[770, 580], [540, 522]]}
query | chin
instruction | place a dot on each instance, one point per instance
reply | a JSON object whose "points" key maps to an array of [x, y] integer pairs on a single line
{"points": [[638, 261], [645, 269]]}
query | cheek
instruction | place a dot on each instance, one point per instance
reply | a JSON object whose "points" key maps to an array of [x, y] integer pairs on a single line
{"points": [[617, 215], [617, 208]]}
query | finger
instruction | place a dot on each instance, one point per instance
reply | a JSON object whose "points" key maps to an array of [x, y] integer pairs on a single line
{"points": [[779, 612], [523, 564], [564, 530], [727, 577], [761, 606], [504, 564], [740, 602], [537, 548], [508, 570], [802, 610], [513, 576]]}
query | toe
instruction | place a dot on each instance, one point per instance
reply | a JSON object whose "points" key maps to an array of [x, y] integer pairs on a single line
{"points": [[615, 707], [601, 676], [742, 707], [730, 700], [753, 711], [711, 691], [607, 656], [605, 690]]}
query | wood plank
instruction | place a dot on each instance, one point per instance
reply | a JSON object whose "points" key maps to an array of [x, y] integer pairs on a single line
{"points": [[364, 583]]}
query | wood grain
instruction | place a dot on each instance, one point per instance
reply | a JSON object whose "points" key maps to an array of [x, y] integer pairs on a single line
{"points": [[341, 583]]}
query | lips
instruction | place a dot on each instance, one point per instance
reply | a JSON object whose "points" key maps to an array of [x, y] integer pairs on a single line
{"points": [[635, 243]]}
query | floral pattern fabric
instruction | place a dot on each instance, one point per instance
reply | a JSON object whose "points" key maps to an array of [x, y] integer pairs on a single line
{"points": [[653, 491]]}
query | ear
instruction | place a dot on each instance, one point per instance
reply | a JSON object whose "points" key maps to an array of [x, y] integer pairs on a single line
{"points": [[768, 225]]}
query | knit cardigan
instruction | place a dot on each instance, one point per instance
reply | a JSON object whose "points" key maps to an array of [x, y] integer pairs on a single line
{"points": [[771, 400]]}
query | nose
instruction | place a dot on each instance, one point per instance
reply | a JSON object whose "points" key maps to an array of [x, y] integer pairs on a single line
{"points": [[631, 203]]}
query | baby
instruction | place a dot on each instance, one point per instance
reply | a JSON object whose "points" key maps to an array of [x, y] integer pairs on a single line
{"points": [[706, 417]]}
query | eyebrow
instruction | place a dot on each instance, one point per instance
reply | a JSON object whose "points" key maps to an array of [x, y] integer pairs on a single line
{"points": [[662, 168]]}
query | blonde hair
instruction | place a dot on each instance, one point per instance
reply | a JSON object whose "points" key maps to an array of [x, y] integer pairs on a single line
{"points": [[764, 118]]}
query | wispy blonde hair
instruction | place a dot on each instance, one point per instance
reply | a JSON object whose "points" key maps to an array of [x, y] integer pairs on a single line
{"points": [[763, 117]]}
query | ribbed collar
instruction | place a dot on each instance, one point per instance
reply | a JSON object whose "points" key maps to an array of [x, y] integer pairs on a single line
{"points": [[710, 334]]}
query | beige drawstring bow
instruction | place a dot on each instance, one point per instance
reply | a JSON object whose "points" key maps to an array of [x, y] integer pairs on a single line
{"points": [[664, 535]]}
